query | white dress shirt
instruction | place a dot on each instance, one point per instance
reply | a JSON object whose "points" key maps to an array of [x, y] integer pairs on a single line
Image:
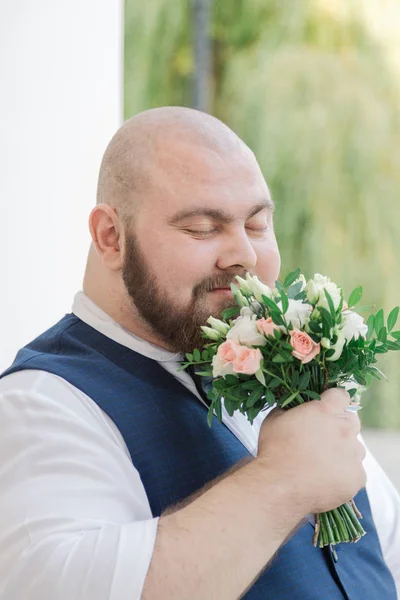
{"points": [[75, 521]]}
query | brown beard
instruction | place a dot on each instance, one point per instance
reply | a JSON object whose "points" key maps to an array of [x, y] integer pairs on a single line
{"points": [[177, 326]]}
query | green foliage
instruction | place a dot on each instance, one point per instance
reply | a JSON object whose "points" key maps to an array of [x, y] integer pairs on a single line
{"points": [[311, 93]]}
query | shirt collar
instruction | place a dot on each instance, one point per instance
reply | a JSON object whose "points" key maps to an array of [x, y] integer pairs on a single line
{"points": [[91, 314]]}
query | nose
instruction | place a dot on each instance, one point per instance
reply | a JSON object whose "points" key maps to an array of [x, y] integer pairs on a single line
{"points": [[237, 250]]}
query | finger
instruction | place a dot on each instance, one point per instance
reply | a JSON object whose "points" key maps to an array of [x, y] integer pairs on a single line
{"points": [[337, 399], [354, 421]]}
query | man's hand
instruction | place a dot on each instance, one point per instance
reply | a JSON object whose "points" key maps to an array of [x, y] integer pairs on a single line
{"points": [[315, 447]]}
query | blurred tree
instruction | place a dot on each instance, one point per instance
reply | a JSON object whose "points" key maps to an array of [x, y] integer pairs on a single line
{"points": [[307, 87], [202, 54]]}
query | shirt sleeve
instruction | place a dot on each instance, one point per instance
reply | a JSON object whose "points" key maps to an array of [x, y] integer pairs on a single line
{"points": [[385, 507], [75, 522]]}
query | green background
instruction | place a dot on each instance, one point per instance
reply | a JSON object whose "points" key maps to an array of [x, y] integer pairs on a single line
{"points": [[313, 88]]}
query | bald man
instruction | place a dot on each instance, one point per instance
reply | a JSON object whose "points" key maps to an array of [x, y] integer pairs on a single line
{"points": [[112, 485]]}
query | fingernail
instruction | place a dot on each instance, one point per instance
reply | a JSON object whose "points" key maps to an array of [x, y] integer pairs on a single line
{"points": [[354, 408]]}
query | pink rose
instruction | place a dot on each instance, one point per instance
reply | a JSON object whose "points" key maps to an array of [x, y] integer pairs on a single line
{"points": [[222, 361], [266, 326], [247, 361], [227, 351], [304, 348], [345, 305]]}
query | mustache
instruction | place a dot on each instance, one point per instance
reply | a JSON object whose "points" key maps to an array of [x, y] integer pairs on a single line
{"points": [[209, 284]]}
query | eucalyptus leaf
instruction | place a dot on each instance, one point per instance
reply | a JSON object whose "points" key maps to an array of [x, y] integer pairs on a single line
{"points": [[294, 290]]}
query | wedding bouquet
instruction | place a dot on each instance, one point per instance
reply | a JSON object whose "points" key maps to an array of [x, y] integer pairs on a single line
{"points": [[285, 346]]}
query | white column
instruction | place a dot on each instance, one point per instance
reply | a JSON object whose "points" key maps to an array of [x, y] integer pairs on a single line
{"points": [[61, 65]]}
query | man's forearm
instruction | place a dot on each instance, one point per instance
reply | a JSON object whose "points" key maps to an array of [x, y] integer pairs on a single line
{"points": [[217, 545]]}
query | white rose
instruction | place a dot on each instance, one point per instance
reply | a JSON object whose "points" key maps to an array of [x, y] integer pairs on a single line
{"points": [[245, 332], [338, 347], [316, 294], [258, 288], [297, 313], [221, 368], [353, 325], [246, 311]]}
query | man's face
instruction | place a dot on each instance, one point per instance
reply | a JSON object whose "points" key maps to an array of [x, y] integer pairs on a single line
{"points": [[207, 218]]}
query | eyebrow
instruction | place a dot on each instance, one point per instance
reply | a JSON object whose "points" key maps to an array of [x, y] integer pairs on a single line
{"points": [[217, 214]]}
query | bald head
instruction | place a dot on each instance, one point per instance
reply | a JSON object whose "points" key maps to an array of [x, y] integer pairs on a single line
{"points": [[156, 139]]}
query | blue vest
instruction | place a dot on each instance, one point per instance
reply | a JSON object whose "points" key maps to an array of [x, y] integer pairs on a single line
{"points": [[176, 453]]}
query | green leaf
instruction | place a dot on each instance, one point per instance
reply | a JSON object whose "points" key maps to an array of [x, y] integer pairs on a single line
{"points": [[315, 327], [278, 358], [270, 397], [277, 334], [252, 413], [260, 377], [254, 396], [352, 392], [252, 384], [379, 321], [396, 335], [359, 377], [277, 319], [285, 302], [392, 345], [294, 290], [330, 303], [312, 395], [196, 355], [228, 313], [304, 380], [189, 357], [229, 405], [291, 278], [326, 317], [231, 379], [210, 414], [288, 400], [382, 335], [204, 373], [274, 383], [204, 355], [218, 409], [392, 318], [371, 326], [355, 296], [270, 304], [381, 350]]}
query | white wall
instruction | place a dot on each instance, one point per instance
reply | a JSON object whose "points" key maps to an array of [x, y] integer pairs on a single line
{"points": [[60, 102]]}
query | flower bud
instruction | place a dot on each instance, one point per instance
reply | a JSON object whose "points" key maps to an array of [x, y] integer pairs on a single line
{"points": [[258, 288], [218, 325], [211, 333], [244, 286], [326, 343]]}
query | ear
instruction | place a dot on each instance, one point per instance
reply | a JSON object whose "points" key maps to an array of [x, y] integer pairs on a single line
{"points": [[107, 235]]}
